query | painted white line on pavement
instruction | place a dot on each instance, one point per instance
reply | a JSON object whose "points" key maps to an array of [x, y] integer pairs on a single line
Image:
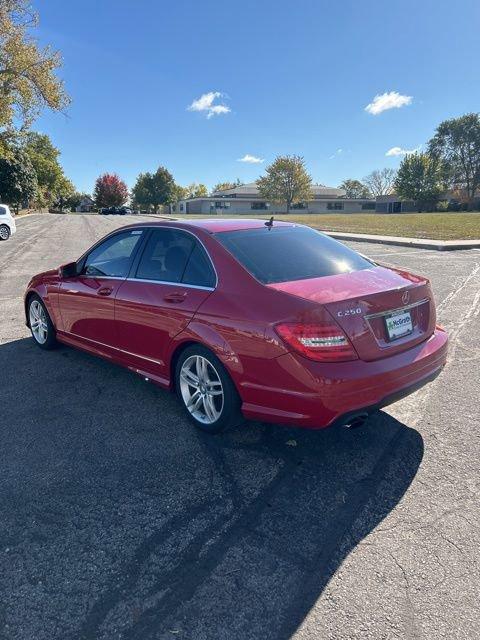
{"points": [[405, 253]]}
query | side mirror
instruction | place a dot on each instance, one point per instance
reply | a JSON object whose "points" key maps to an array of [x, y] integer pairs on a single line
{"points": [[69, 270]]}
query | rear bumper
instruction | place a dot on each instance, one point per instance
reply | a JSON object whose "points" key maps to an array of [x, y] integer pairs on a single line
{"points": [[314, 395], [347, 418]]}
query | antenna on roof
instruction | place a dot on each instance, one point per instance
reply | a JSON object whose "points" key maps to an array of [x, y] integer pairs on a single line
{"points": [[269, 223]]}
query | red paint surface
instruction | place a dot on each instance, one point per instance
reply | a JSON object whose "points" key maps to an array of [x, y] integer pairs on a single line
{"points": [[138, 326]]}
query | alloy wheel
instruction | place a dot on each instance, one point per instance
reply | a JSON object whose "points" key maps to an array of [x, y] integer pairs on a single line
{"points": [[38, 322], [4, 233], [201, 389]]}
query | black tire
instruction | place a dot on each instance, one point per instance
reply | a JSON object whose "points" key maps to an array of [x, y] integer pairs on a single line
{"points": [[4, 232], [230, 415], [51, 339]]}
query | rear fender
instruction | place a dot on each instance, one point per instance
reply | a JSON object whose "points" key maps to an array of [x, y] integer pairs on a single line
{"points": [[209, 337]]}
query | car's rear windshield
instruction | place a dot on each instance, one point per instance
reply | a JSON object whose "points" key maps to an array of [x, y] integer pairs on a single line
{"points": [[282, 254]]}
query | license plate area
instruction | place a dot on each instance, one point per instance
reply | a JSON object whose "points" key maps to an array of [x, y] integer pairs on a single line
{"points": [[398, 325]]}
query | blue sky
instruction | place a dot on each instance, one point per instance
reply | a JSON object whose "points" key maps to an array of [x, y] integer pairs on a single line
{"points": [[290, 77]]}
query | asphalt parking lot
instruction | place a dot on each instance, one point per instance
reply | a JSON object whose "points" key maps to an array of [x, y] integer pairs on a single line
{"points": [[120, 521]]}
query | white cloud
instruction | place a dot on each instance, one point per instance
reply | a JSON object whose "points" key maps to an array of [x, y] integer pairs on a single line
{"points": [[385, 101], [338, 152], [250, 159], [206, 104], [398, 151]]}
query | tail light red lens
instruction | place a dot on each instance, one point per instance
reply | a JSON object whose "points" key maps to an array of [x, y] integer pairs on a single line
{"points": [[324, 342]]}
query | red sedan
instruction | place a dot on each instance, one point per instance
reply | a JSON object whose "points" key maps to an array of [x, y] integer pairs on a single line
{"points": [[275, 322]]}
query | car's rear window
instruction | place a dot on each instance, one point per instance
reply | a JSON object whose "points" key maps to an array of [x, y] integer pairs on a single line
{"points": [[282, 254]]}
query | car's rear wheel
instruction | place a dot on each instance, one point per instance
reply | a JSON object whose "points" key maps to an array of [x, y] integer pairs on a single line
{"points": [[43, 331], [4, 232], [206, 390]]}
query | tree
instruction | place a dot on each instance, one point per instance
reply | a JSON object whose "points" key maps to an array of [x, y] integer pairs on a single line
{"points": [[141, 191], [380, 182], [179, 193], [457, 143], [52, 183], [72, 200], [286, 181], [65, 195], [224, 186], [195, 190], [110, 191], [419, 178], [355, 189], [154, 189], [27, 72], [18, 181]]}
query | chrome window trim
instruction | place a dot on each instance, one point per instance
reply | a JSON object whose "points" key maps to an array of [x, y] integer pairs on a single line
{"points": [[173, 284], [112, 234], [183, 284], [88, 275], [398, 310], [148, 227]]}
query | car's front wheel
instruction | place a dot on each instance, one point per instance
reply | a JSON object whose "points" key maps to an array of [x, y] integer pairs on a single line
{"points": [[4, 232], [43, 331], [206, 390]]}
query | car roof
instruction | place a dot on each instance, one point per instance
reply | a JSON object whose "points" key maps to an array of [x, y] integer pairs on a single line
{"points": [[213, 225]]}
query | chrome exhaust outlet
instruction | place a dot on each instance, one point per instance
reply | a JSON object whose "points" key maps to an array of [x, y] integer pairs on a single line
{"points": [[356, 421]]}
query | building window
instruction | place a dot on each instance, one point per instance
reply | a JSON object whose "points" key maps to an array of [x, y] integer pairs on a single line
{"points": [[335, 206], [181, 207], [174, 207], [368, 206], [222, 205], [299, 205], [258, 205]]}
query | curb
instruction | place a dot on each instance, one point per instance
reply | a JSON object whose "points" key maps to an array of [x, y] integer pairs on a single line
{"points": [[27, 215], [418, 243]]}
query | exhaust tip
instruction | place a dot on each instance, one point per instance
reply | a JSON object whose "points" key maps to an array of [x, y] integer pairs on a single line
{"points": [[356, 421]]}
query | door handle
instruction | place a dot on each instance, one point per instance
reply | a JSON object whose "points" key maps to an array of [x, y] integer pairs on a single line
{"points": [[105, 291], [175, 296]]}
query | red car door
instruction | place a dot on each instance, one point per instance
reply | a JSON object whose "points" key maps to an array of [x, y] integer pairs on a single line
{"points": [[171, 279], [86, 301]]}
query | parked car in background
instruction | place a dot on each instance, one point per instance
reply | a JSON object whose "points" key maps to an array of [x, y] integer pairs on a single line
{"points": [[273, 321], [121, 211], [7, 222]]}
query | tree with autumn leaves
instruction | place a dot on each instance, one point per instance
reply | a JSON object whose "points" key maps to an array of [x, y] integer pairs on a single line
{"points": [[110, 191], [28, 80], [30, 172]]}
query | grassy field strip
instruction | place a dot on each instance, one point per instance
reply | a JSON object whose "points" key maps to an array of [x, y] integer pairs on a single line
{"points": [[435, 226]]}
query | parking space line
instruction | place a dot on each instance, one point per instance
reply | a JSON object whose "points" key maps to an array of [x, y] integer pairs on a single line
{"points": [[405, 253]]}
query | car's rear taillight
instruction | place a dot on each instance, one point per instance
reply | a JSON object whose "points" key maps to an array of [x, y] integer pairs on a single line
{"points": [[324, 342]]}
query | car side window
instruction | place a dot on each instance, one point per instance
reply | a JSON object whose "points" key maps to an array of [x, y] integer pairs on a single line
{"points": [[165, 256], [199, 270], [112, 258]]}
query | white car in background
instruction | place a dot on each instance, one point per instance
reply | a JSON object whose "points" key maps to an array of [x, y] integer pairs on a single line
{"points": [[7, 223]]}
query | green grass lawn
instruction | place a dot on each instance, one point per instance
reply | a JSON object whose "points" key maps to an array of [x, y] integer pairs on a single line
{"points": [[437, 226]]}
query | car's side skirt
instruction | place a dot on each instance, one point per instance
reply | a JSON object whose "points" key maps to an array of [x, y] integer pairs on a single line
{"points": [[118, 356]]}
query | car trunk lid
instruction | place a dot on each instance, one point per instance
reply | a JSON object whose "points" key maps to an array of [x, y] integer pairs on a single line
{"points": [[382, 310]]}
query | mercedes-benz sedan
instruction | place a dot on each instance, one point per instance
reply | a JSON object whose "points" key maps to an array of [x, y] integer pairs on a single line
{"points": [[272, 322]]}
